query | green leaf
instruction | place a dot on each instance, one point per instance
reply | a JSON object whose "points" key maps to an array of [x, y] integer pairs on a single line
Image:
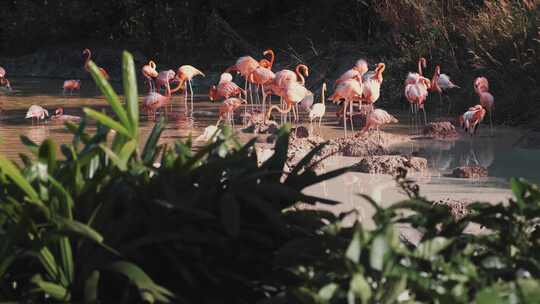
{"points": [[78, 228], [107, 121], [51, 267], [518, 188], [327, 292], [9, 169], [360, 287], [130, 92], [429, 249], [91, 288], [149, 149], [66, 256], [30, 144], [107, 90], [379, 249], [490, 295], [56, 291], [47, 154], [354, 249]]}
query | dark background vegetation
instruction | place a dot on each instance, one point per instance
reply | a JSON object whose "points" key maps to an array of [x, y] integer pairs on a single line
{"points": [[498, 39]]}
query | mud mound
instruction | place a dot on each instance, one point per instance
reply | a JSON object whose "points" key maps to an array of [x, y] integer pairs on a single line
{"points": [[440, 130], [469, 172], [390, 164], [300, 147], [260, 127], [457, 208]]}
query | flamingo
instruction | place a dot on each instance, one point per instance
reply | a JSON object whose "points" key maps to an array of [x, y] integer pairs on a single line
{"points": [[245, 66], [186, 73], [375, 119], [359, 69], [225, 88], [487, 101], [413, 77], [164, 79], [36, 112], [284, 77], [416, 94], [293, 93], [441, 83], [3, 80], [227, 108], [372, 86], [88, 54], [60, 116], [149, 71], [71, 85], [472, 118], [318, 109], [263, 75], [348, 91], [154, 100]]}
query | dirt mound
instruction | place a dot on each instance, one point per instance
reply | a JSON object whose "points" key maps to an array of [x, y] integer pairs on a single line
{"points": [[389, 164], [300, 147], [257, 125], [458, 208], [440, 130], [469, 172]]}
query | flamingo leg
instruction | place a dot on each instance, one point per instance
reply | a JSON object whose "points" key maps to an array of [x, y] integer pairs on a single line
{"points": [[191, 92], [351, 103], [345, 118]]}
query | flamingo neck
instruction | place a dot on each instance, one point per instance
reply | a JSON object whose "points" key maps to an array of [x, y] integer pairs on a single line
{"points": [[420, 61]]}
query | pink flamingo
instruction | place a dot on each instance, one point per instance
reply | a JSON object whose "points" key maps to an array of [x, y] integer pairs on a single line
{"points": [[3, 80], [349, 90], [226, 88], [263, 75], [284, 77], [413, 77], [359, 69], [416, 94], [441, 83], [186, 73], [245, 66], [149, 72], [36, 112], [71, 85], [154, 100], [472, 118], [227, 108], [375, 119], [487, 101], [372, 86], [293, 93], [60, 116], [88, 54], [164, 79]]}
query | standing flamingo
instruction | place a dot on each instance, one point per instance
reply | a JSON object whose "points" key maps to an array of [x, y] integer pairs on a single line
{"points": [[164, 79], [263, 75], [348, 91], [60, 116], [227, 108], [284, 77], [318, 109], [487, 101], [226, 88], [3, 80], [149, 72], [88, 54], [71, 85], [416, 94], [36, 112], [375, 119], [293, 93], [186, 73], [154, 100], [441, 83], [372, 86], [245, 66], [413, 77], [472, 118]]}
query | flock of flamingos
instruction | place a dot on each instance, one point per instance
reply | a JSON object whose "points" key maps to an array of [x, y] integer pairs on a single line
{"points": [[358, 87]]}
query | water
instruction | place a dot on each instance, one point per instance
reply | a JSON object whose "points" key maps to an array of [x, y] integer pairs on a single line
{"points": [[496, 150]]}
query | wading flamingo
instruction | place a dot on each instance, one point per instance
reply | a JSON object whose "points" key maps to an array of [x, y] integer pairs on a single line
{"points": [[348, 91], [416, 95], [3, 80], [149, 72], [60, 116], [481, 84], [88, 56], [441, 83], [154, 101], [318, 109], [71, 85], [36, 112], [375, 119], [226, 88], [359, 69], [472, 118], [293, 93], [263, 75], [227, 108], [186, 73], [284, 77], [245, 66]]}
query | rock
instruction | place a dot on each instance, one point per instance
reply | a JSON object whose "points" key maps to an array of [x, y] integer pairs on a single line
{"points": [[389, 164], [300, 132], [270, 127], [469, 172], [457, 208], [300, 147], [440, 130]]}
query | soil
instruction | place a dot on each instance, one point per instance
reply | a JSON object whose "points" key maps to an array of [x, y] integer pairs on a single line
{"points": [[470, 172], [390, 164], [440, 130]]}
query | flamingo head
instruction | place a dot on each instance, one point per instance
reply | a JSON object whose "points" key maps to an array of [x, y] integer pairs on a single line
{"points": [[423, 62], [438, 70], [361, 66], [379, 70], [272, 57], [225, 77], [213, 93], [59, 111], [86, 52], [265, 63]]}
